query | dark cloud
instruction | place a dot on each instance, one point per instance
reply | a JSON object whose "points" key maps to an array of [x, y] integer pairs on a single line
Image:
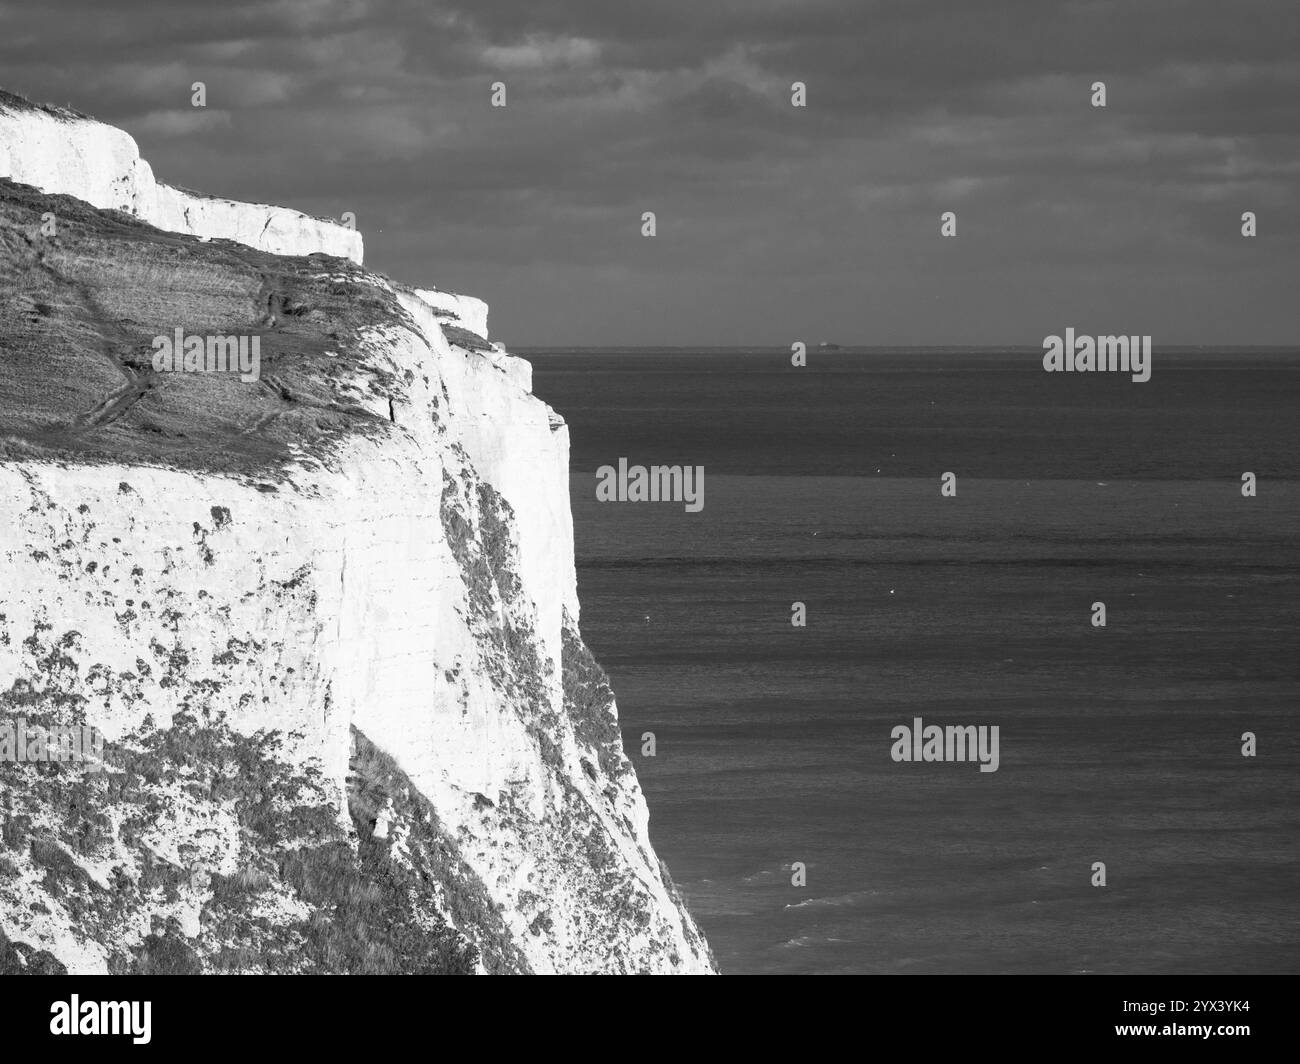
{"points": [[773, 222]]}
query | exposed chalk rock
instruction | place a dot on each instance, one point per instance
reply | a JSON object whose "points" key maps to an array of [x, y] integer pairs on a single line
{"points": [[465, 311], [62, 152]]}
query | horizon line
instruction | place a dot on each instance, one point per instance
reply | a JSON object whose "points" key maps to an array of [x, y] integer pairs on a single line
{"points": [[997, 348]]}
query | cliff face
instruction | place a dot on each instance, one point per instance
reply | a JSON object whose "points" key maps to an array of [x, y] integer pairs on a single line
{"points": [[326, 622]]}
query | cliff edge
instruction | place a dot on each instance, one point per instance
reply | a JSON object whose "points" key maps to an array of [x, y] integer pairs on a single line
{"points": [[325, 620]]}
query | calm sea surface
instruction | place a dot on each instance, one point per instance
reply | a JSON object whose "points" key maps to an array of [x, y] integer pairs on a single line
{"points": [[1119, 744]]}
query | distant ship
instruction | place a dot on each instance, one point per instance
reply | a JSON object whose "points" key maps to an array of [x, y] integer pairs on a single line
{"points": [[829, 346]]}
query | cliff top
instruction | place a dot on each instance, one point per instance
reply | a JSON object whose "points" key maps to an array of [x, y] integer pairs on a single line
{"points": [[11, 101], [79, 312]]}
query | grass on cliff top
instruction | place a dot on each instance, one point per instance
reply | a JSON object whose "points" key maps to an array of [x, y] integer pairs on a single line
{"points": [[79, 311], [462, 337], [12, 101]]}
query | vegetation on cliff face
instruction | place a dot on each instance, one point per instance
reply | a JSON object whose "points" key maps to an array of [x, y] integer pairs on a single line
{"points": [[479, 523], [18, 958], [135, 847], [414, 841], [589, 704], [583, 854]]}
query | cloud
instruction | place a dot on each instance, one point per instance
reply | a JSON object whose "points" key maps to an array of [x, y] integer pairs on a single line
{"points": [[538, 52], [196, 120], [914, 107]]}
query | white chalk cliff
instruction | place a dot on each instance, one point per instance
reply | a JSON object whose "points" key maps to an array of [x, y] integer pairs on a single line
{"points": [[327, 623], [61, 152]]}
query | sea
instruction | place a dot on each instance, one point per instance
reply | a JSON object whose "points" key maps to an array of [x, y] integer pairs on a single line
{"points": [[798, 842]]}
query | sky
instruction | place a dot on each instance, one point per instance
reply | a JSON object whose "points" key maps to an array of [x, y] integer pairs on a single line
{"points": [[773, 223]]}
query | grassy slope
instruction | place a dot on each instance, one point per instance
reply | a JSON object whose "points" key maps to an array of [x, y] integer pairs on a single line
{"points": [[79, 311]]}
